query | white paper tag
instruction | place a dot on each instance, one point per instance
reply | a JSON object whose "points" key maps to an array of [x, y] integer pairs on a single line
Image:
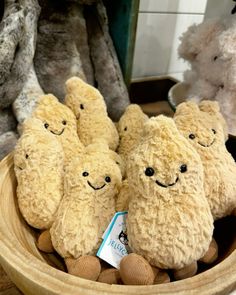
{"points": [[115, 242]]}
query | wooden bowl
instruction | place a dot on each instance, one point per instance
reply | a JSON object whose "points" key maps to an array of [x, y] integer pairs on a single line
{"points": [[30, 270]]}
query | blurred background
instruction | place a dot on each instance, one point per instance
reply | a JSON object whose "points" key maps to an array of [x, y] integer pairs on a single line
{"points": [[160, 24]]}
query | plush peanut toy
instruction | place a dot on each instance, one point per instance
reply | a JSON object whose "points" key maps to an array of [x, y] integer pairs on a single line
{"points": [[59, 121], [91, 184], [169, 221], [130, 128], [89, 107], [38, 165], [201, 126]]}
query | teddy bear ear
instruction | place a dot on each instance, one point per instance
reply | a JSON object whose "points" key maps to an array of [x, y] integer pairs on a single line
{"points": [[186, 108], [47, 99], [160, 126], [213, 108], [196, 38]]}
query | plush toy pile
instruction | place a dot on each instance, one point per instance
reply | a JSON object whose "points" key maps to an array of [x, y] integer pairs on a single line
{"points": [[210, 50], [75, 169]]}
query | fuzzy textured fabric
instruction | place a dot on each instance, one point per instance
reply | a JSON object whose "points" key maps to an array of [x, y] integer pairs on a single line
{"points": [[59, 120], [78, 24], [8, 141], [25, 103], [56, 56], [203, 129], [107, 69], [91, 184], [122, 201], [89, 107], [169, 221], [19, 38], [210, 49], [7, 121], [38, 165], [130, 129]]}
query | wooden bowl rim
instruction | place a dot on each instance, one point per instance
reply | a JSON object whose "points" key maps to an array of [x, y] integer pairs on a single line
{"points": [[220, 278]]}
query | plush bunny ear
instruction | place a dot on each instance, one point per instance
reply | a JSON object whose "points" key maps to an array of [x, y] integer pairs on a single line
{"points": [[186, 108], [213, 108], [161, 127], [196, 38], [47, 99], [80, 88]]}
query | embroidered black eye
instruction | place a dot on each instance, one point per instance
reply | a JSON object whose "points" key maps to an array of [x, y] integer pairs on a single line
{"points": [[213, 130], [215, 58], [183, 168], [191, 136], [107, 179], [46, 125], [26, 156], [125, 129], [149, 171], [64, 122], [82, 106], [85, 174]]}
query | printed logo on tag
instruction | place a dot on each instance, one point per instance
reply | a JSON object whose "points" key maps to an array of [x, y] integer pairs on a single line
{"points": [[115, 241]]}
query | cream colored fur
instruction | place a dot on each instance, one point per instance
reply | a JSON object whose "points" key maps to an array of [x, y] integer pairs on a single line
{"points": [[209, 142], [38, 165], [169, 226], [85, 212], [60, 119], [89, 107], [210, 49], [130, 128]]}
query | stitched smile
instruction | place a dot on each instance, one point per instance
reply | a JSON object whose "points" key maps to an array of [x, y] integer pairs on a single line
{"points": [[206, 145], [57, 133], [163, 185], [19, 167], [96, 188]]}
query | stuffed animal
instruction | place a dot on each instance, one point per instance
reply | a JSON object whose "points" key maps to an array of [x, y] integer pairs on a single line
{"points": [[89, 107], [202, 128], [38, 165], [59, 121], [122, 200], [91, 184], [210, 49], [130, 128], [169, 221]]}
